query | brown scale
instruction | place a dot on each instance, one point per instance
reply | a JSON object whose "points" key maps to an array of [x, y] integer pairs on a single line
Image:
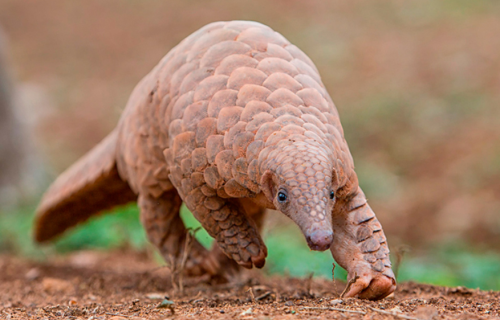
{"points": [[232, 121]]}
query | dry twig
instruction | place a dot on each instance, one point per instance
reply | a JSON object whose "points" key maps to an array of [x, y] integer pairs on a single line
{"points": [[400, 254], [173, 271], [394, 314], [263, 296], [349, 284], [187, 248], [333, 309], [309, 283], [117, 314], [333, 278], [177, 270], [252, 295]]}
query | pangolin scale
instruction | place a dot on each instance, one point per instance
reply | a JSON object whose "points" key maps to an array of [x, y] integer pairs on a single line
{"points": [[232, 121]]}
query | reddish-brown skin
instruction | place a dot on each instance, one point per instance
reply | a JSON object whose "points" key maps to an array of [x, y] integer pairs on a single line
{"points": [[232, 121]]}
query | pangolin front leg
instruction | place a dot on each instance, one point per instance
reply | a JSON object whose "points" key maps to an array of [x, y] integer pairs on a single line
{"points": [[226, 222], [360, 247], [165, 229], [230, 267]]}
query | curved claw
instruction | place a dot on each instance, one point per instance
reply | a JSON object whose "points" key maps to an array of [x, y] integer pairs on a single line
{"points": [[259, 260], [372, 286]]}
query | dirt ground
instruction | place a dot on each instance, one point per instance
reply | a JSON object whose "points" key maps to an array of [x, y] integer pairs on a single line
{"points": [[129, 285]]}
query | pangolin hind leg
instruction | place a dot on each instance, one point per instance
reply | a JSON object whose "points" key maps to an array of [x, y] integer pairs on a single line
{"points": [[165, 230], [360, 247], [226, 222]]}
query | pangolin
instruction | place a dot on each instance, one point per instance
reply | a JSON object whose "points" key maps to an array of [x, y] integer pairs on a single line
{"points": [[232, 121]]}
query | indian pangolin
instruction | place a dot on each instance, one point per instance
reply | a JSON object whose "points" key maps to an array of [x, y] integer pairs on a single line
{"points": [[232, 121]]}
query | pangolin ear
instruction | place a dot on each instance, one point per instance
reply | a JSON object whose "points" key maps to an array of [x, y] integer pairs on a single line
{"points": [[268, 184], [350, 187]]}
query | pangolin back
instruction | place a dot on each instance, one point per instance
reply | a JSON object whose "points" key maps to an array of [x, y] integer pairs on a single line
{"points": [[218, 110]]}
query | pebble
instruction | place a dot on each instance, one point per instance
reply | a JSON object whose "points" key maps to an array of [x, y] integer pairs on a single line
{"points": [[155, 296], [336, 301], [53, 285], [92, 297], [84, 259], [166, 304], [247, 312], [396, 309], [426, 312], [32, 274]]}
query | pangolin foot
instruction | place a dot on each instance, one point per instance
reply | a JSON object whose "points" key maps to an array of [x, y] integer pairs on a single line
{"points": [[201, 262], [371, 285]]}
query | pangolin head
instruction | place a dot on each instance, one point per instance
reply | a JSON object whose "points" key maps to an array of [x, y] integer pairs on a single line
{"points": [[301, 177]]}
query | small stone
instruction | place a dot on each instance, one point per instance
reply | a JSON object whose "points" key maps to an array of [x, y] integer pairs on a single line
{"points": [[72, 302], [289, 303], [426, 313], [84, 259], [396, 309], [53, 285], [336, 301], [247, 312], [167, 304], [32, 274], [91, 297], [155, 296]]}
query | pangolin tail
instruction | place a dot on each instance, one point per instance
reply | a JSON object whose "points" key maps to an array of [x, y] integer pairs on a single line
{"points": [[88, 187]]}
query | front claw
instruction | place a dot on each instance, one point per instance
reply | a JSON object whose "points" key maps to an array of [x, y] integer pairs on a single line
{"points": [[371, 285]]}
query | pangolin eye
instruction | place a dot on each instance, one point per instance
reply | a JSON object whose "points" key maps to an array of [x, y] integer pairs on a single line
{"points": [[332, 195], [282, 196]]}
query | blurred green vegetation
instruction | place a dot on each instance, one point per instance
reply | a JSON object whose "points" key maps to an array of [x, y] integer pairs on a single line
{"points": [[448, 265]]}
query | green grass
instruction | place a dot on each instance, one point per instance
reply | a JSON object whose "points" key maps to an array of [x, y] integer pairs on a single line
{"points": [[448, 265], [455, 265]]}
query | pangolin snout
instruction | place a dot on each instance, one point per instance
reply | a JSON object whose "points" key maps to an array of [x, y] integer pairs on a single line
{"points": [[320, 240]]}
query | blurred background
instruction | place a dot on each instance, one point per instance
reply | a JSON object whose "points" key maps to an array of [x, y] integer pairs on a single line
{"points": [[417, 85]]}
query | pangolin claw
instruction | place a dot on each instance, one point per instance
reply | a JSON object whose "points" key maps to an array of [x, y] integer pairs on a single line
{"points": [[372, 286]]}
